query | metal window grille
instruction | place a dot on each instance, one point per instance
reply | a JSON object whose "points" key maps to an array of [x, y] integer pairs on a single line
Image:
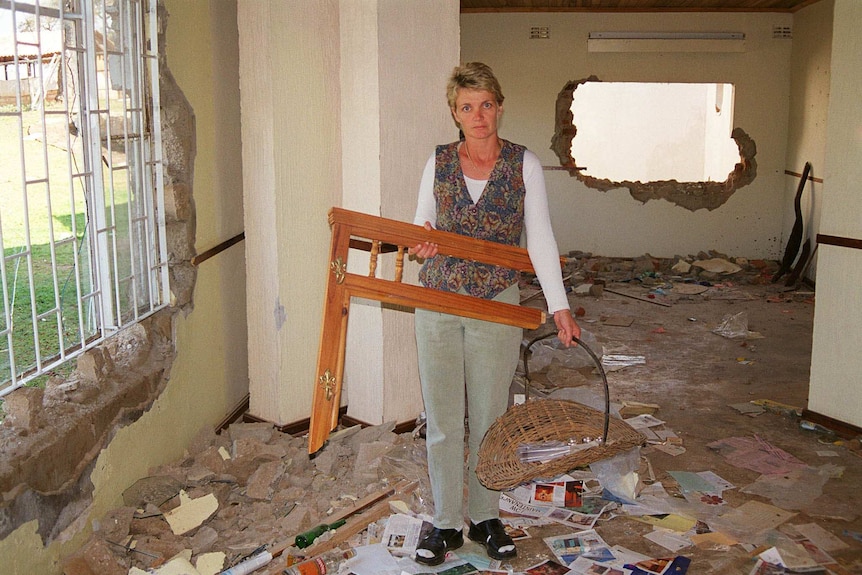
{"points": [[82, 227]]}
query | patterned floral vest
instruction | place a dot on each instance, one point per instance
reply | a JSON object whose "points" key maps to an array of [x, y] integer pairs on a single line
{"points": [[498, 216]]}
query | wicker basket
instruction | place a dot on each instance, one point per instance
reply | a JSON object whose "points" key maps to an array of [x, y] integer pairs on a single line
{"points": [[541, 420]]}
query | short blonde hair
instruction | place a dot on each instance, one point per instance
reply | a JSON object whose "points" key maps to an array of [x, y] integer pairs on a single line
{"points": [[473, 76]]}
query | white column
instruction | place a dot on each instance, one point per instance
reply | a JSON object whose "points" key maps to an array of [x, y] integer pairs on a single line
{"points": [[835, 359]]}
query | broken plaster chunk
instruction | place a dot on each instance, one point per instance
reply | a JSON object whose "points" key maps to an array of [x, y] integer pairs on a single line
{"points": [[260, 484], [191, 513], [179, 565], [398, 506], [210, 563], [224, 453], [681, 267], [717, 265]]}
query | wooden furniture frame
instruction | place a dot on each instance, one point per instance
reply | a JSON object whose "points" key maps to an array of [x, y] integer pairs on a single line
{"points": [[353, 230]]}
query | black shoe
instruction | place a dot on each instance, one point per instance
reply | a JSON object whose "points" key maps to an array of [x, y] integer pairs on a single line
{"points": [[492, 535], [432, 549]]}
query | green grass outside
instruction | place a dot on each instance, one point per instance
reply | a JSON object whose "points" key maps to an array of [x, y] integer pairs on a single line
{"points": [[63, 213]]}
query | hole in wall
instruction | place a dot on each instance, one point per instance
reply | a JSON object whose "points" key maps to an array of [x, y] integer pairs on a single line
{"points": [[689, 155]]}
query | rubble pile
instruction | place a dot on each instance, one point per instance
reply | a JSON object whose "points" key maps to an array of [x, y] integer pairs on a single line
{"points": [[247, 487], [240, 496], [731, 478], [702, 267]]}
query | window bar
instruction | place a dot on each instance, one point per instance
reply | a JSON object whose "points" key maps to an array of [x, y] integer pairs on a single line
{"points": [[96, 310], [67, 90], [93, 160], [130, 40], [109, 187], [7, 317], [44, 82], [155, 175], [28, 247], [8, 310]]}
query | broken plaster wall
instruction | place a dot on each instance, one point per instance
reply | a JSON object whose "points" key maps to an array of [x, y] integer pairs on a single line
{"points": [[689, 195], [141, 396], [612, 222]]}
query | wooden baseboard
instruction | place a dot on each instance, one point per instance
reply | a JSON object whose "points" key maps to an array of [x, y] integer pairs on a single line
{"points": [[403, 427], [841, 428], [300, 427], [295, 428], [235, 414]]}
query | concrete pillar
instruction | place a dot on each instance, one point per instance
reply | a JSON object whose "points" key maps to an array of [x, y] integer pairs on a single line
{"points": [[835, 359], [342, 102]]}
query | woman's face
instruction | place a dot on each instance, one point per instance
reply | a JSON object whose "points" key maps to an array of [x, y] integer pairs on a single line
{"points": [[477, 113]]}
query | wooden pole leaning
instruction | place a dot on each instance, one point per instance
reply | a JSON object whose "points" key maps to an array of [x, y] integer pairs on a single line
{"points": [[379, 236]]}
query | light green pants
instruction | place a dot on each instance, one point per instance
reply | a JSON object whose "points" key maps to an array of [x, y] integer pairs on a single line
{"points": [[458, 354]]}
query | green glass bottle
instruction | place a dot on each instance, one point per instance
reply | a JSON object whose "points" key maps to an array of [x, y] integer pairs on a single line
{"points": [[305, 539]]}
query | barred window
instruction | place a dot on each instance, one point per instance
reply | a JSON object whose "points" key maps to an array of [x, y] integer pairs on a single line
{"points": [[81, 197]]}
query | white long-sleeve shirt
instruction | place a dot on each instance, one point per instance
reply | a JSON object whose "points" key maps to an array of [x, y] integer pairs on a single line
{"points": [[541, 245]]}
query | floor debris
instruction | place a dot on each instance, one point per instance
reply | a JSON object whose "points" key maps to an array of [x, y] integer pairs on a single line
{"points": [[714, 490]]}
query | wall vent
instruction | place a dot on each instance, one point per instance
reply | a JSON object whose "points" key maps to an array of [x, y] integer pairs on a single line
{"points": [[782, 32], [540, 33]]}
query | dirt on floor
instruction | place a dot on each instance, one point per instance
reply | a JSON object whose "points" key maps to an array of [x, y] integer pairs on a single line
{"points": [[719, 358]]}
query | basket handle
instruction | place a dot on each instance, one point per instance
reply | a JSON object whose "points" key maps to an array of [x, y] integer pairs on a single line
{"points": [[595, 359]]}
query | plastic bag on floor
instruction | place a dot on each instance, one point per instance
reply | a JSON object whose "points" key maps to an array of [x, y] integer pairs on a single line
{"points": [[618, 475], [736, 327], [544, 351]]}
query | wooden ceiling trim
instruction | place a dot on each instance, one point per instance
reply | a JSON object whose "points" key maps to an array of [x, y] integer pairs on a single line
{"points": [[623, 6]]}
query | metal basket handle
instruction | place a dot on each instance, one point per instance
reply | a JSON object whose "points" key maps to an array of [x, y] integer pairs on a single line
{"points": [[595, 359]]}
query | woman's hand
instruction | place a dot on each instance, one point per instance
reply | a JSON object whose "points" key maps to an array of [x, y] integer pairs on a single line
{"points": [[424, 250], [566, 327]]}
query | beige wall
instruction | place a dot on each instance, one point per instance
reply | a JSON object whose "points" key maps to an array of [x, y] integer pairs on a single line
{"points": [[533, 72], [809, 104], [835, 359], [209, 376]]}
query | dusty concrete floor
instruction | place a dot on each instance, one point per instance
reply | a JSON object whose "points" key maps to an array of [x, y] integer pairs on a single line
{"points": [[694, 375], [268, 490]]}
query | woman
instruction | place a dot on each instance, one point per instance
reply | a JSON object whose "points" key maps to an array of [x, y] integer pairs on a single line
{"points": [[488, 188]]}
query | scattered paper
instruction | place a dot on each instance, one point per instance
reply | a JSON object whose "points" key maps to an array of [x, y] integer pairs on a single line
{"points": [[817, 535], [643, 421], [372, 560], [662, 566], [713, 539], [587, 544], [510, 504], [748, 408], [790, 555], [669, 521], [401, 535], [756, 454], [584, 566], [795, 489], [557, 493], [615, 361], [670, 540], [670, 449], [690, 481], [753, 517]]}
